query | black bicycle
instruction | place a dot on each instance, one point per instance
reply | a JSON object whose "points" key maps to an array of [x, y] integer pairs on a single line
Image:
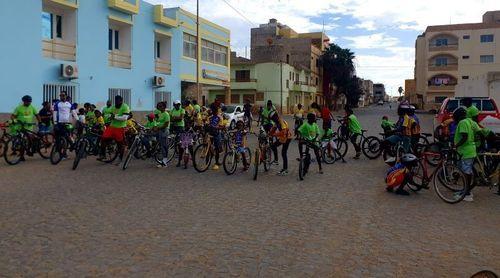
{"points": [[305, 158], [89, 144], [63, 145], [27, 142]]}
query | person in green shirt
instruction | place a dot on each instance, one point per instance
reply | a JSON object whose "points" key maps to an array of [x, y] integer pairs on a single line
{"points": [[309, 134], [470, 108], [116, 129], [107, 111], [163, 131], [355, 129], [387, 125], [177, 115], [25, 114], [464, 142], [266, 111]]}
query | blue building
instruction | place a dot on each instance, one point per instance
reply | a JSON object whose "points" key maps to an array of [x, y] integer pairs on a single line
{"points": [[96, 49]]}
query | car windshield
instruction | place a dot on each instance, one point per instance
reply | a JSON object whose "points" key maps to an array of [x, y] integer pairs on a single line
{"points": [[230, 109], [451, 105], [488, 105]]}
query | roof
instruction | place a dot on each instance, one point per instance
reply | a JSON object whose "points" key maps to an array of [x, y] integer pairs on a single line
{"points": [[464, 26]]}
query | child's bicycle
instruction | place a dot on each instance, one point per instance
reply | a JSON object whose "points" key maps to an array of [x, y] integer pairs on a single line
{"points": [[305, 158], [186, 142], [89, 144], [263, 153], [330, 151], [234, 155]]}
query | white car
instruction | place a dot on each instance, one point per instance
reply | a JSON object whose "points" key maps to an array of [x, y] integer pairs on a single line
{"points": [[234, 113], [380, 102]]}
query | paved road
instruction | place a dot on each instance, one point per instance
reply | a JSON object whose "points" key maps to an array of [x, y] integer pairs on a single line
{"points": [[101, 221]]}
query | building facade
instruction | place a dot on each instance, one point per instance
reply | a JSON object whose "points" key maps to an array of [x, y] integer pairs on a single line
{"points": [[448, 55], [410, 93], [379, 93], [96, 49]]}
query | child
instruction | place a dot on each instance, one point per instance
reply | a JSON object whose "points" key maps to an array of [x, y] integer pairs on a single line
{"points": [[281, 132], [240, 138], [80, 124], [99, 124], [309, 132], [387, 126], [355, 130], [215, 126], [298, 116]]}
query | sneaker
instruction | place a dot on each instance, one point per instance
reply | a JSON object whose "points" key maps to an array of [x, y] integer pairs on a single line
{"points": [[216, 167], [403, 192], [320, 172], [275, 162], [283, 172], [469, 198]]}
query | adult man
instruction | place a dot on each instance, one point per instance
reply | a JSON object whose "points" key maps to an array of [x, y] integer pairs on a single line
{"points": [[177, 115], [471, 110], [107, 111], [25, 114], [163, 130], [266, 111], [247, 113], [63, 116], [116, 129]]}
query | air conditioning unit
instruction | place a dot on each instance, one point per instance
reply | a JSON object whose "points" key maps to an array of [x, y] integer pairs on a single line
{"points": [[69, 71], [158, 81]]}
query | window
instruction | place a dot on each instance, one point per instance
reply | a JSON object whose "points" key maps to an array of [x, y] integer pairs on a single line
{"points": [[486, 59], [317, 81], [290, 75], [288, 58], [235, 98], [288, 84], [163, 96], [451, 105], [466, 37], [441, 61], [158, 51], [189, 47], [297, 77], [259, 96], [465, 77], [465, 57], [441, 42], [487, 38], [51, 24], [439, 99], [113, 39], [242, 75], [125, 93], [51, 92], [213, 53], [488, 105]]}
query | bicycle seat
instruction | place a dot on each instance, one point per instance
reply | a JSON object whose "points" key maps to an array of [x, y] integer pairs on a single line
{"points": [[426, 134]]}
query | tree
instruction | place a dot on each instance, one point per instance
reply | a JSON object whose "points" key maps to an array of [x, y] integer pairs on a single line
{"points": [[338, 66]]}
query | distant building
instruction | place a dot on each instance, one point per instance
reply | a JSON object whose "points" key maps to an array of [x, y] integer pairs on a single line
{"points": [[448, 55], [379, 92], [410, 93], [366, 97]]}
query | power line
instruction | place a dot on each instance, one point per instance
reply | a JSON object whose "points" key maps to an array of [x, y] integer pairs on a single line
{"points": [[238, 12]]}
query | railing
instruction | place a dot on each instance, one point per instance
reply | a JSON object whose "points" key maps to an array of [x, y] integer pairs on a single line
{"points": [[441, 67], [119, 59], [448, 47], [243, 80], [58, 49], [163, 66]]}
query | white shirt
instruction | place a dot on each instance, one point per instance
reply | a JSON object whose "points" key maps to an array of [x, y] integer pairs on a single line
{"points": [[63, 112]]}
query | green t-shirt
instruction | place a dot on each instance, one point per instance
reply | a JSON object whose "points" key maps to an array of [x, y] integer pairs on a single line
{"points": [[90, 118], [265, 114], [328, 134], [387, 125], [468, 149], [106, 113], [309, 131], [163, 117], [178, 113], [151, 124], [26, 114], [124, 109], [354, 125], [197, 108], [472, 111]]}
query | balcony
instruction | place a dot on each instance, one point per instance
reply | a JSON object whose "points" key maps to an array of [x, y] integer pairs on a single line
{"points": [[441, 67], [163, 66], [442, 88], [448, 47], [59, 49], [244, 84], [73, 4], [161, 18], [126, 6], [119, 59]]}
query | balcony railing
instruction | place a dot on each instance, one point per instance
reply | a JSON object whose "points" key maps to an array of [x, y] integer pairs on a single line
{"points": [[448, 67], [243, 80], [449, 87], [126, 6], [119, 59], [163, 66], [58, 49], [448, 47], [66, 3]]}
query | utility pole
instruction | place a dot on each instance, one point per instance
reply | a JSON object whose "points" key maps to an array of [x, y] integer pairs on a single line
{"points": [[198, 93], [281, 87]]}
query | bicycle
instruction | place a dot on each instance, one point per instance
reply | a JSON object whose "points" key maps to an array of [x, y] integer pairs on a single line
{"points": [[486, 169], [27, 141], [205, 152], [4, 137], [233, 156], [305, 158], [370, 145], [62, 145], [140, 150], [186, 143], [263, 153], [450, 184], [330, 152], [89, 144]]}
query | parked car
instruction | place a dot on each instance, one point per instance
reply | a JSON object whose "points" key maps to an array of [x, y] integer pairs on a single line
{"points": [[380, 102], [235, 114], [489, 115]]}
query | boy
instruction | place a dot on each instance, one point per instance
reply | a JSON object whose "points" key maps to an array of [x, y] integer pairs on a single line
{"points": [[464, 142], [309, 133], [387, 126], [99, 125], [241, 143], [282, 133], [355, 129], [215, 126]]}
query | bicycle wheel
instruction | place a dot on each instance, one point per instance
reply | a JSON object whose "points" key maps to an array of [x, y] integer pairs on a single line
{"points": [[450, 184], [329, 155], [14, 150], [230, 163], [46, 143], [268, 159], [256, 162], [436, 149], [111, 152], [81, 151], [417, 180], [131, 153], [371, 147], [202, 158], [172, 149], [342, 147], [58, 150], [304, 163]]}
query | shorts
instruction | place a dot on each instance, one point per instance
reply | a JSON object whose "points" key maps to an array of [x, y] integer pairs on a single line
{"points": [[115, 133], [466, 165]]}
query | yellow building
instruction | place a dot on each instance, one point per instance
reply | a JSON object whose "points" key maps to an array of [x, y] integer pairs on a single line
{"points": [[446, 55]]}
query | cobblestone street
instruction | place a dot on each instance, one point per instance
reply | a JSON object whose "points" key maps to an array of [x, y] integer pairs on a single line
{"points": [[102, 221]]}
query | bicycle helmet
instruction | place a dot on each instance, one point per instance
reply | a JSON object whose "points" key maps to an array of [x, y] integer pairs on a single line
{"points": [[395, 176], [409, 159], [151, 116], [459, 114], [27, 98], [403, 109]]}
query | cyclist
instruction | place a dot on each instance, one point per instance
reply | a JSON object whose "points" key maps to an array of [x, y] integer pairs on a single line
{"points": [[247, 113], [177, 116], [266, 111], [107, 111], [415, 126], [216, 124], [240, 139], [298, 116], [99, 123], [387, 126], [402, 130], [89, 114], [26, 114], [163, 131], [45, 117], [283, 136], [472, 111], [63, 115], [190, 113], [315, 110], [355, 130], [116, 130], [309, 134]]}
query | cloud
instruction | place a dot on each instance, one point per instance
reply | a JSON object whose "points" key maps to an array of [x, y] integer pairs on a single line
{"points": [[367, 25], [379, 40]]}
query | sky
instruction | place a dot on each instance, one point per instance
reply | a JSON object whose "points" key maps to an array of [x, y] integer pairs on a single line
{"points": [[381, 33]]}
